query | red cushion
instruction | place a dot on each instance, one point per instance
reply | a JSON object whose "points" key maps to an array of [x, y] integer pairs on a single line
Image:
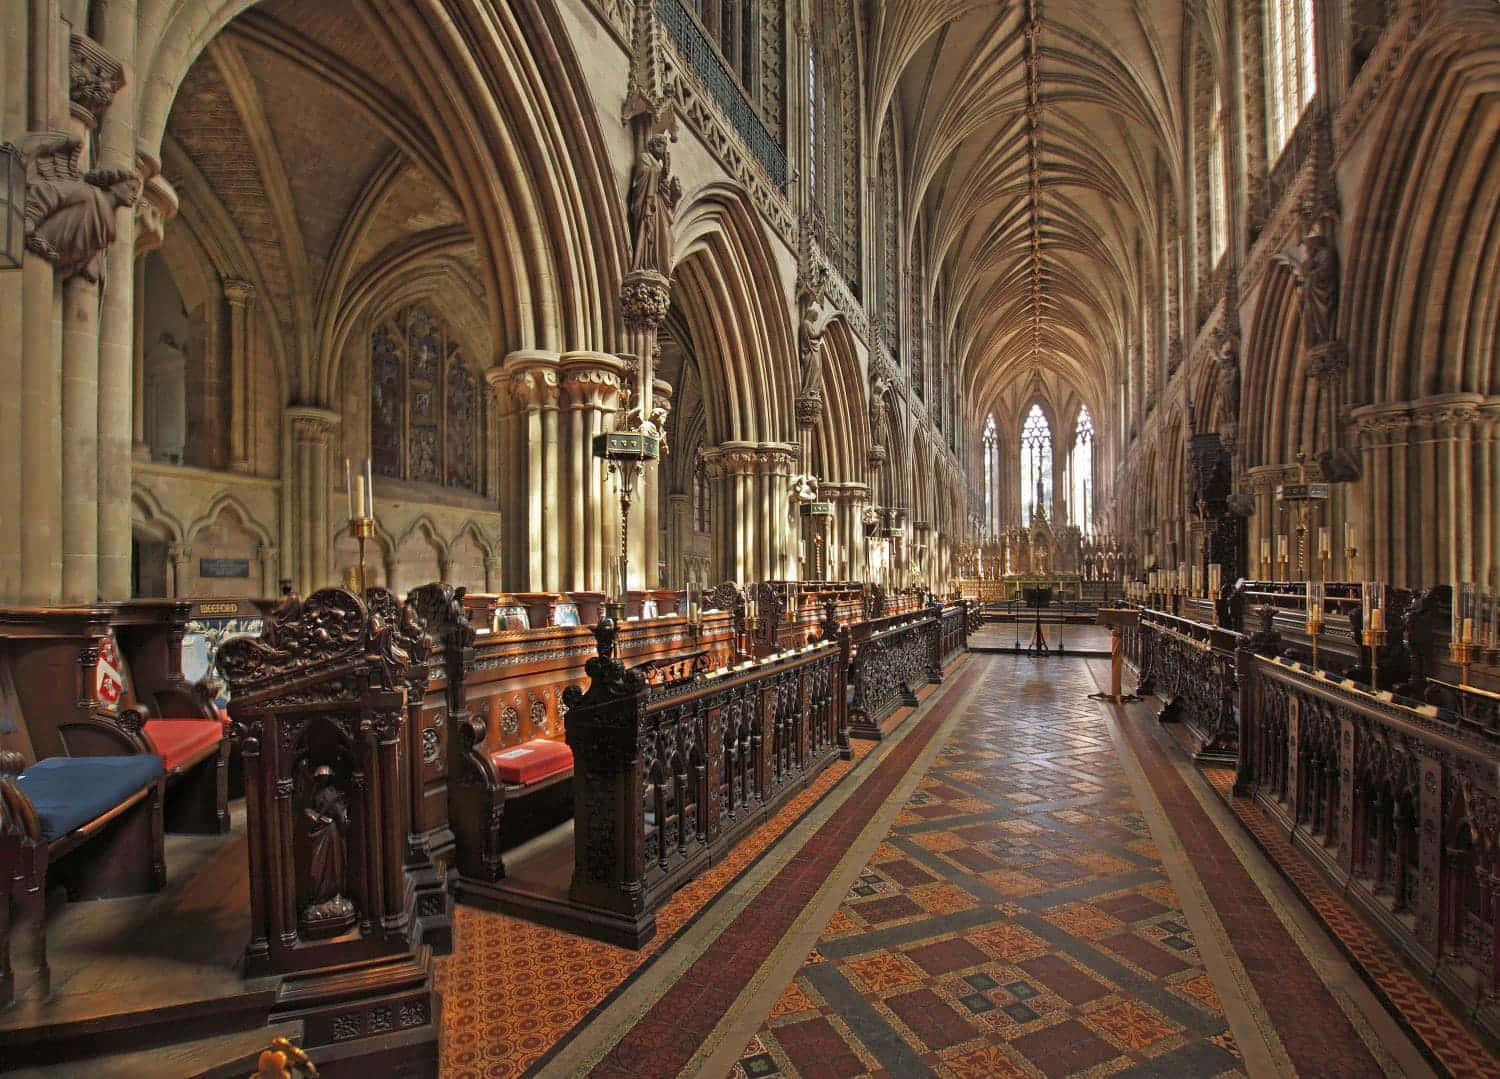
{"points": [[533, 761], [179, 740]]}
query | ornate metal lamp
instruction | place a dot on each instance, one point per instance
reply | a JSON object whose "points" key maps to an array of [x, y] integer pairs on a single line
{"points": [[1303, 496], [818, 515], [627, 453]]}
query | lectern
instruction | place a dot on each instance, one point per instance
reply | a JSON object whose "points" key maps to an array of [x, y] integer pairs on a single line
{"points": [[1117, 618], [1037, 598]]}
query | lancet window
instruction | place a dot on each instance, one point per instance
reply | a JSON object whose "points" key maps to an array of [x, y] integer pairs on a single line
{"points": [[1036, 465], [701, 499], [425, 406], [1291, 67], [833, 142], [1081, 470], [1218, 189]]}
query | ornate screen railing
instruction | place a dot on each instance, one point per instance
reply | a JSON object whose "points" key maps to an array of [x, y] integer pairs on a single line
{"points": [[703, 58], [1400, 805]]}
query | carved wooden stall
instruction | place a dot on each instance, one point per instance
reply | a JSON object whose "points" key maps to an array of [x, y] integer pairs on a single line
{"points": [[791, 613], [1398, 803], [672, 776], [505, 697], [321, 699]]}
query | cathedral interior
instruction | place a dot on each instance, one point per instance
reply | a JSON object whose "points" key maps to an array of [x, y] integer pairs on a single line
{"points": [[749, 538]]}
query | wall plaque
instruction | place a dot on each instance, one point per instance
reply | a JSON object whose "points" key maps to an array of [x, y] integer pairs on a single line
{"points": [[223, 567]]}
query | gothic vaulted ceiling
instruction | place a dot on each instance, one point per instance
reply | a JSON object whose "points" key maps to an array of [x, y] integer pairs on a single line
{"points": [[1041, 135]]}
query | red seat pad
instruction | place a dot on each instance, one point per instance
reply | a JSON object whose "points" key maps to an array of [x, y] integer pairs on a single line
{"points": [[533, 761], [179, 740]]}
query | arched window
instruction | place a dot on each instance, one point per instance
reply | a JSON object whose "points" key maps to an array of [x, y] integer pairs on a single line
{"points": [[424, 403], [701, 504], [1291, 67], [1218, 190], [1036, 465], [1081, 467], [990, 440]]}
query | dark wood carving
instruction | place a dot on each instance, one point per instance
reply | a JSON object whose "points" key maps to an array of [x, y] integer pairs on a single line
{"points": [[320, 698]]}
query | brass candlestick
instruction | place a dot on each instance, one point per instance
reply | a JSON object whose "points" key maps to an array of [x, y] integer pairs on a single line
{"points": [[362, 529], [1351, 562], [1461, 652], [1314, 631], [1374, 641]]}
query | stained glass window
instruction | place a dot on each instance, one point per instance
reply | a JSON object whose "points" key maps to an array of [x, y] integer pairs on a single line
{"points": [[1036, 465], [425, 407], [990, 440]]}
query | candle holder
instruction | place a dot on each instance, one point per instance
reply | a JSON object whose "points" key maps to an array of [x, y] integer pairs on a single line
{"points": [[362, 530], [1461, 653], [1314, 631], [1351, 562], [1374, 640]]}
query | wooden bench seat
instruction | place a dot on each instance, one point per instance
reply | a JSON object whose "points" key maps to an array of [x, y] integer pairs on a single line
{"points": [[107, 680], [110, 805]]}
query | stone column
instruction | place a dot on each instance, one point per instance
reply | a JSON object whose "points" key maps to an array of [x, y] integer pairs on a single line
{"points": [[269, 567], [115, 23], [1486, 499], [649, 498], [777, 555], [80, 441], [679, 526], [178, 555], [525, 386], [241, 298], [306, 493], [591, 394]]}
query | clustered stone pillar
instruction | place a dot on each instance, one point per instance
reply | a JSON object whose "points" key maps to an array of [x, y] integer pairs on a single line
{"points": [[591, 393], [308, 441], [241, 297], [751, 522], [526, 388], [1420, 534]]}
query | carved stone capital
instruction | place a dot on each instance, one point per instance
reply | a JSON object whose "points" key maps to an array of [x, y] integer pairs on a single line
{"points": [[311, 425], [591, 379], [525, 380], [877, 455], [645, 298], [94, 76]]}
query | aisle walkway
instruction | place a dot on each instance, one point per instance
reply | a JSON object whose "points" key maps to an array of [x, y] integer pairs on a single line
{"points": [[1017, 919], [1019, 882]]}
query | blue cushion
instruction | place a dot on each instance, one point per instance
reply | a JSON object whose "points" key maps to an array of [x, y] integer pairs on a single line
{"points": [[68, 792]]}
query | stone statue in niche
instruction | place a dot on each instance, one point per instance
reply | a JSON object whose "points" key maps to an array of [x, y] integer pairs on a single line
{"points": [[810, 347], [1227, 356], [323, 868], [70, 214], [654, 194], [880, 413], [1316, 267]]}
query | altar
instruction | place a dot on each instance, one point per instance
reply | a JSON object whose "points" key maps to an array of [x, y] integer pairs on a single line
{"points": [[1066, 587]]}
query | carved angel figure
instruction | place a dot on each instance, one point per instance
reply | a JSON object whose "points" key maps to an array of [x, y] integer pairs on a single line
{"points": [[804, 488], [654, 194], [70, 215]]}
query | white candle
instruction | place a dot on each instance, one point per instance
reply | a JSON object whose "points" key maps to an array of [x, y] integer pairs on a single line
{"points": [[357, 503]]}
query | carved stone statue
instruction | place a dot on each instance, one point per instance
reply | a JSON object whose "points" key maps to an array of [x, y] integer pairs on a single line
{"points": [[654, 424], [804, 488], [1227, 356], [1316, 266], [810, 347], [325, 824], [70, 215], [880, 413], [654, 194]]}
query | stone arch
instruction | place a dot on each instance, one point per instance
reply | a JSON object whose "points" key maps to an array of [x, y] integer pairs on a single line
{"points": [[841, 441], [225, 535], [468, 541], [498, 106], [731, 295]]}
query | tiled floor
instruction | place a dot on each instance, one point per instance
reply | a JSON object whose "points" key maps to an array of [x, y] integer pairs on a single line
{"points": [[1017, 920]]}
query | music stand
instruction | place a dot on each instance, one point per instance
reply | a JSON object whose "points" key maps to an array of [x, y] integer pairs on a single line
{"points": [[1038, 598]]}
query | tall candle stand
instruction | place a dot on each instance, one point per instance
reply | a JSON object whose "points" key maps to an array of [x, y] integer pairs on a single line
{"points": [[1351, 562], [1374, 639], [362, 529], [627, 453]]}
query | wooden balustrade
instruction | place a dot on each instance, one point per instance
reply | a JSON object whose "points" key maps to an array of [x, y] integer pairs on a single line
{"points": [[1399, 804], [669, 777]]}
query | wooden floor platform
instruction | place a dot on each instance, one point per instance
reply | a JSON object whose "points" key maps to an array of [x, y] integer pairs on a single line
{"points": [[136, 975]]}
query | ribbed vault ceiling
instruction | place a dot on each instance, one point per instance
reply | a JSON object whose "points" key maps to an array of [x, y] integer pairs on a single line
{"points": [[1107, 131]]}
